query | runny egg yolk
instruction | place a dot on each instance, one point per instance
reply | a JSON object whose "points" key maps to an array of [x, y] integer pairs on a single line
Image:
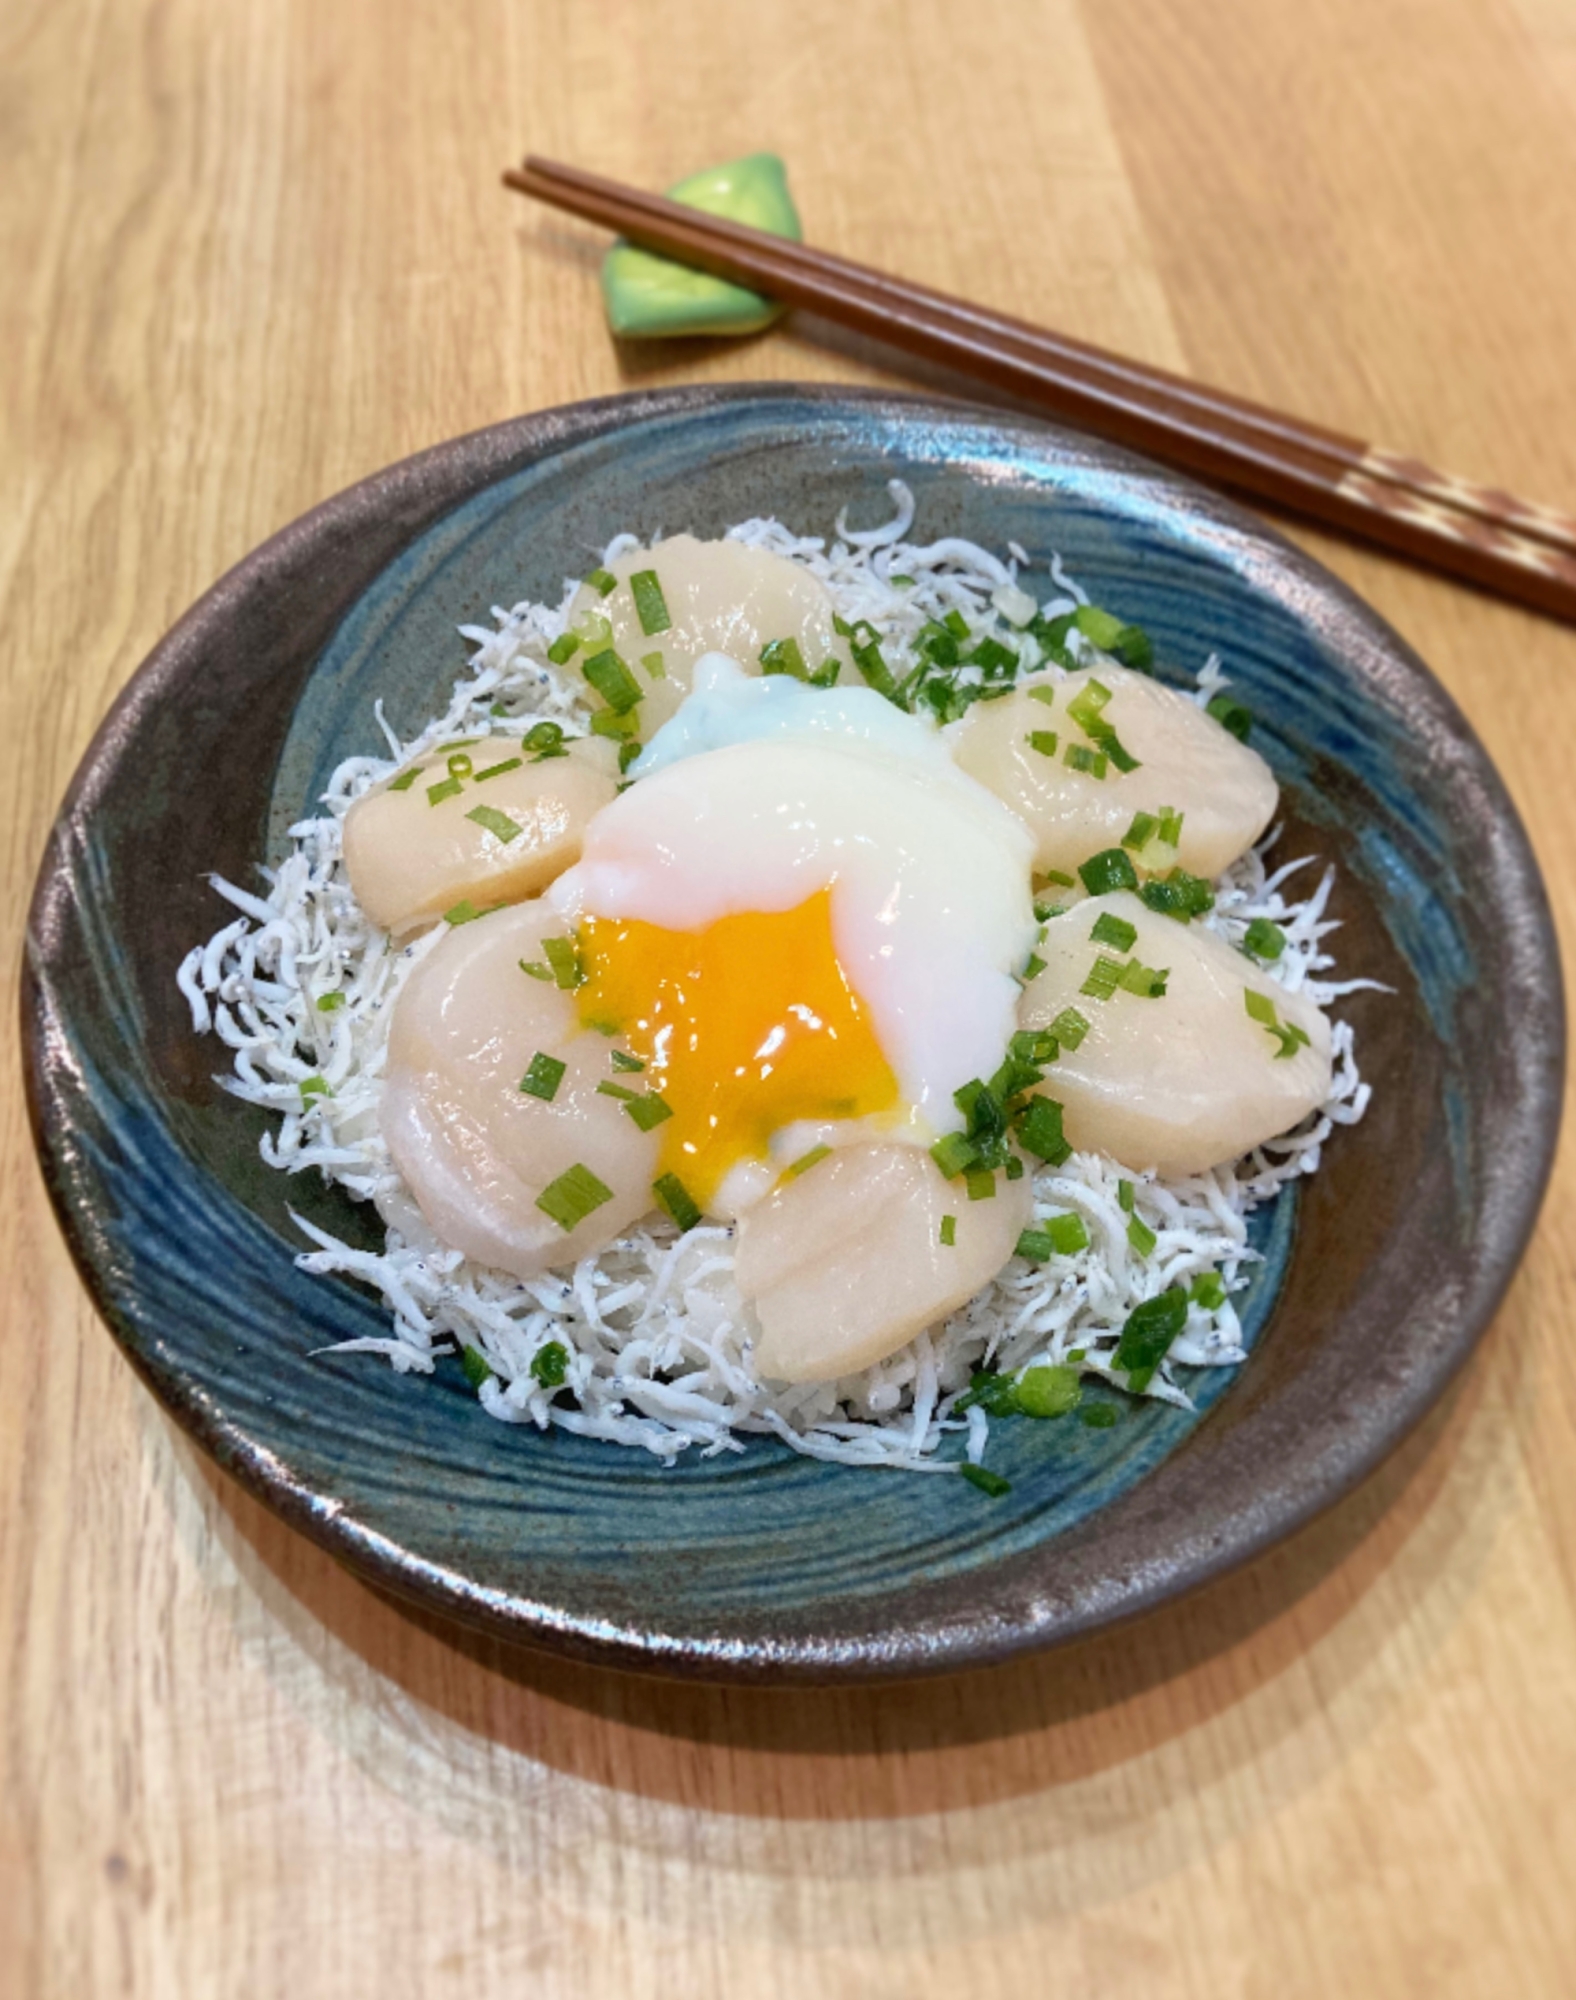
{"points": [[745, 1027]]}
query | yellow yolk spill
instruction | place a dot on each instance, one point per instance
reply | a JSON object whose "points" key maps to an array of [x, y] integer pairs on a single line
{"points": [[745, 1027]]}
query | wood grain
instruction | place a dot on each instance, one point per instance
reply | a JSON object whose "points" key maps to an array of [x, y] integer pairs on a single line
{"points": [[250, 253]]}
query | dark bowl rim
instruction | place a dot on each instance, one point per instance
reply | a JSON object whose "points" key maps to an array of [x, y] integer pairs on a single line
{"points": [[930, 1647]]}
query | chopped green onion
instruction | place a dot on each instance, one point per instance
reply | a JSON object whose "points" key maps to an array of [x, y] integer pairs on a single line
{"points": [[1043, 740], [612, 680], [1077, 1354], [806, 1161], [618, 1090], [870, 661], [1034, 1244], [543, 1077], [1179, 895], [497, 771], [1147, 1336], [826, 673], [330, 1003], [563, 955], [901, 582], [622, 1061], [1079, 757], [1117, 751], [621, 728], [949, 1232], [1115, 931], [1069, 1028], [1141, 1236], [957, 625], [1147, 981], [602, 581], [782, 656], [1105, 976], [1039, 1131], [1068, 1234], [1170, 828], [466, 912], [651, 607], [1125, 1196], [446, 788], [627, 753], [993, 659], [1264, 939], [1260, 1006], [1034, 1045], [1106, 871], [1013, 1168], [406, 779], [1048, 1391], [987, 1482], [1055, 876], [563, 648], [313, 1086], [980, 1182], [534, 969], [655, 665], [676, 1199], [952, 1154], [1208, 1290], [592, 629], [550, 1364], [544, 739], [647, 1111], [1098, 1416], [1141, 832], [573, 1196], [478, 1369], [1033, 967], [1231, 715], [460, 766], [498, 824], [1046, 692]]}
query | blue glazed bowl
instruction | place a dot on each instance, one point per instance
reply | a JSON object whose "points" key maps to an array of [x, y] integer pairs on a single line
{"points": [[1378, 1275]]}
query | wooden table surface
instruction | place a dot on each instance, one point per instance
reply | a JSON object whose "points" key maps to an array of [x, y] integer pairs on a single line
{"points": [[250, 253]]}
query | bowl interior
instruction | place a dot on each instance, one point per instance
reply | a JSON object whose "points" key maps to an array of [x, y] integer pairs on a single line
{"points": [[1377, 1275]]}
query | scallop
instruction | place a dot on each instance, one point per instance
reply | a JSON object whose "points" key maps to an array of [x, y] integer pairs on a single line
{"points": [[721, 597], [1186, 761], [845, 1263], [418, 845], [474, 1146], [1186, 1081]]}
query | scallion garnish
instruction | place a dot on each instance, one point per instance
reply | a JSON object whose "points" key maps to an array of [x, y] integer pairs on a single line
{"points": [[313, 1086], [534, 969], [1264, 939], [949, 1232], [782, 656], [618, 1090], [1043, 740], [564, 648], [573, 1196], [477, 1368], [826, 673], [466, 912], [1262, 1009], [1098, 1416], [993, 659], [1069, 1028], [651, 607], [627, 753], [621, 728], [497, 770], [1115, 931], [676, 1199], [1068, 1235], [628, 1063], [1179, 895], [1147, 1335], [1141, 1236], [1208, 1290], [987, 1482], [543, 1077], [1079, 757], [1141, 832], [613, 681], [1169, 830], [1039, 1131], [1106, 871], [1014, 1168], [446, 788], [980, 1182], [1147, 981], [498, 824], [1047, 1391], [1034, 965], [542, 740], [603, 582], [648, 1111], [1105, 976], [865, 645], [1046, 692], [330, 1003], [806, 1161], [550, 1364], [406, 779], [952, 1154], [1056, 878], [1231, 715], [563, 956], [1125, 1196], [1034, 1244], [654, 665], [957, 625], [1087, 703]]}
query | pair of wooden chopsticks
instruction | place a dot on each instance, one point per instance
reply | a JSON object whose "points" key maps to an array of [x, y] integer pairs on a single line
{"points": [[1519, 551]]}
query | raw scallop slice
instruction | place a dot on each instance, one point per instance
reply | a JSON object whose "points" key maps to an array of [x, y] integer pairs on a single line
{"points": [[411, 858], [845, 1263], [1180, 1083], [475, 1149], [722, 597], [1225, 792]]}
